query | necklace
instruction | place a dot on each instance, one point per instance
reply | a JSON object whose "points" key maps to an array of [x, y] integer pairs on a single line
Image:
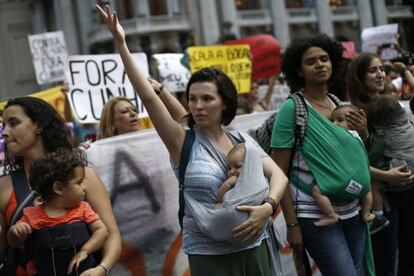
{"points": [[320, 105]]}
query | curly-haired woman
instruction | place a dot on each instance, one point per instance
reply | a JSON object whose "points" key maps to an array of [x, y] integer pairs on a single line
{"points": [[33, 128]]}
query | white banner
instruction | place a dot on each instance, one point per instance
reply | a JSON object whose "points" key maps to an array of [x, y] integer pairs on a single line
{"points": [[136, 170], [172, 74], [374, 37], [50, 56], [94, 79]]}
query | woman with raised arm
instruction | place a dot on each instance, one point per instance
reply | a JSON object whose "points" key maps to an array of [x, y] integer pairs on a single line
{"points": [[33, 128], [212, 102]]}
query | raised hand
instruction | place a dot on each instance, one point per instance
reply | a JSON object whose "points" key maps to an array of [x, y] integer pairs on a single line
{"points": [[111, 20]]}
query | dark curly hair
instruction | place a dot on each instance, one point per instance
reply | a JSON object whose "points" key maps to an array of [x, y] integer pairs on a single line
{"points": [[54, 133], [225, 88], [292, 58], [54, 167], [357, 91]]}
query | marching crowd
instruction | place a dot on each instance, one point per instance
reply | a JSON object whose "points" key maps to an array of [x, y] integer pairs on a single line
{"points": [[341, 172]]}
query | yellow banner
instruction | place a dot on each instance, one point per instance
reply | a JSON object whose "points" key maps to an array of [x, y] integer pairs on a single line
{"points": [[234, 60], [53, 96]]}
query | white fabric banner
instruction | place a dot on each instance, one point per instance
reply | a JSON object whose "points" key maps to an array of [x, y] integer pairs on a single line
{"points": [[172, 74], [50, 56], [144, 194], [94, 79]]}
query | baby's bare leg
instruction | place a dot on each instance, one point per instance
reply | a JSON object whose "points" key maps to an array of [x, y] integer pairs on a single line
{"points": [[378, 202], [366, 204], [326, 206]]}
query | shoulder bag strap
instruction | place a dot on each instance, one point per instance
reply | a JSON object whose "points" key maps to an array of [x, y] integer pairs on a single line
{"points": [[24, 195], [185, 157]]}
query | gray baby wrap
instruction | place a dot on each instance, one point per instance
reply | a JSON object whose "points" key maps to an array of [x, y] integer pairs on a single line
{"points": [[251, 189]]}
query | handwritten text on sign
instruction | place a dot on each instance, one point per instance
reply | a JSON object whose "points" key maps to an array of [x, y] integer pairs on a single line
{"points": [[233, 60], [173, 75], [265, 50], [50, 56], [94, 79]]}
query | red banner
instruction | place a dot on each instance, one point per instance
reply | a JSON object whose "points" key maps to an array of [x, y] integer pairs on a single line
{"points": [[265, 51]]}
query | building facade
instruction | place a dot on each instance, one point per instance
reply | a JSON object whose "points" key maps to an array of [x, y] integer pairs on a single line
{"points": [[156, 26]]}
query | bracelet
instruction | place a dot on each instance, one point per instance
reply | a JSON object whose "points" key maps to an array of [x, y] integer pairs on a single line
{"points": [[105, 267], [159, 90], [272, 202], [290, 225]]}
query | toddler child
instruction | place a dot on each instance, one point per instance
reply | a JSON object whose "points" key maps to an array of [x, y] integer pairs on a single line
{"points": [[338, 117], [61, 232], [392, 123]]}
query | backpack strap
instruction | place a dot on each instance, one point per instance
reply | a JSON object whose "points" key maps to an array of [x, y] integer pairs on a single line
{"points": [[24, 197], [184, 158], [301, 118], [334, 98]]}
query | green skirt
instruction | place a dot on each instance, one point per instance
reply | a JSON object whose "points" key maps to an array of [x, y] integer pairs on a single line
{"points": [[253, 261]]}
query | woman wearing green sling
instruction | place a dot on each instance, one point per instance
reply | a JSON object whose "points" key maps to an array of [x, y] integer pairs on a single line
{"points": [[328, 157]]}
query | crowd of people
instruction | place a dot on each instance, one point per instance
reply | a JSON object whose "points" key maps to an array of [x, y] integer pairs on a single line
{"points": [[341, 172]]}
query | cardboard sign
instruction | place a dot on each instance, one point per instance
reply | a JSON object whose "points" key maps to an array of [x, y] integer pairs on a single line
{"points": [[234, 60], [94, 79], [54, 96], [265, 51], [349, 51], [50, 56], [374, 37], [172, 74]]}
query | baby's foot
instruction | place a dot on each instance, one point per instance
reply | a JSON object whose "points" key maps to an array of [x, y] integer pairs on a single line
{"points": [[326, 221], [367, 217]]}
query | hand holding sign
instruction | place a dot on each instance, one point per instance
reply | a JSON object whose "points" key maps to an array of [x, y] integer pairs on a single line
{"points": [[111, 20]]}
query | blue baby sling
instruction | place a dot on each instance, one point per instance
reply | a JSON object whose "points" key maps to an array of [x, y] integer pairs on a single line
{"points": [[53, 248]]}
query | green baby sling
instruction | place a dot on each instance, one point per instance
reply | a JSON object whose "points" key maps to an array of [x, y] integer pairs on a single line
{"points": [[338, 161]]}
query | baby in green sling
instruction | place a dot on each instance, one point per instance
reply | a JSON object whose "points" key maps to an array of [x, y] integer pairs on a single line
{"points": [[338, 117]]}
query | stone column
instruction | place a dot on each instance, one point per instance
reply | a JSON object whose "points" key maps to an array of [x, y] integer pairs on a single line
{"points": [[208, 20], [380, 12], [229, 15], [38, 17], [280, 21], [325, 17], [141, 8], [365, 14], [173, 7]]}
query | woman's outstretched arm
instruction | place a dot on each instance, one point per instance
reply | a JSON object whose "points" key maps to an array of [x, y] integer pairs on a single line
{"points": [[171, 133]]}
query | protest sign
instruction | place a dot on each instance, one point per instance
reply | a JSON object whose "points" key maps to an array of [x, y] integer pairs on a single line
{"points": [[49, 55], [349, 51], [265, 51], [144, 195], [94, 79], [234, 60], [385, 36], [172, 74], [54, 96]]}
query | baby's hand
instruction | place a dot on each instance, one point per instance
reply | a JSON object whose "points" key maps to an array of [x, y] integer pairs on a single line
{"points": [[76, 260], [20, 230]]}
